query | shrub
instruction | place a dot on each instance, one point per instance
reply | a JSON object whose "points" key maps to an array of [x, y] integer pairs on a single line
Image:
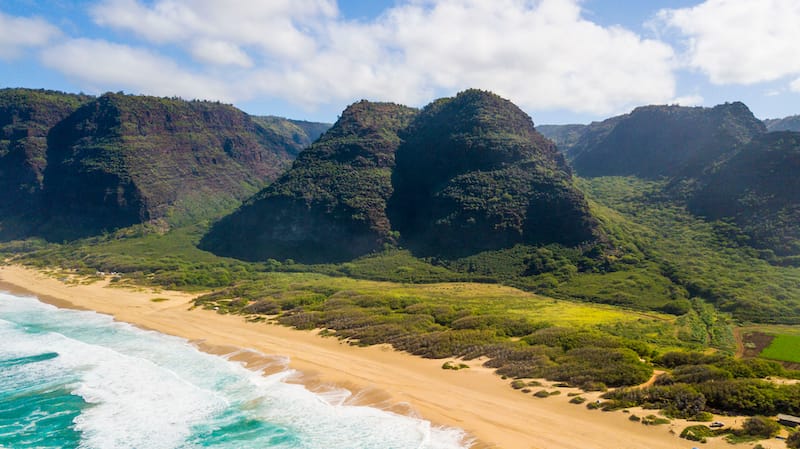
{"points": [[518, 384], [702, 417], [542, 394], [697, 432], [759, 426], [634, 418], [793, 441], [577, 400], [263, 307], [653, 420]]}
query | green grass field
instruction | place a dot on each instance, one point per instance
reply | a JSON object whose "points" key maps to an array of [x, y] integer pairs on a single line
{"points": [[785, 348]]}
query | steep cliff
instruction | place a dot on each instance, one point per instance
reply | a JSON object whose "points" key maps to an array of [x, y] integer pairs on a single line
{"points": [[121, 160]]}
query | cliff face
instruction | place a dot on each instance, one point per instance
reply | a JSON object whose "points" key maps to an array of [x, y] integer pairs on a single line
{"points": [[331, 205], [121, 160], [759, 189], [466, 174], [473, 174], [657, 141], [26, 117]]}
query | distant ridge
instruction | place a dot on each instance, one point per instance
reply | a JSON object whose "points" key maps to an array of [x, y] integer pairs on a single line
{"points": [[759, 189], [663, 141], [791, 123]]}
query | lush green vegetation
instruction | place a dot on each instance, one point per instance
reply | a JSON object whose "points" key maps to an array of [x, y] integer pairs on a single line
{"points": [[473, 175], [784, 348], [331, 205], [697, 383], [656, 141], [698, 258]]}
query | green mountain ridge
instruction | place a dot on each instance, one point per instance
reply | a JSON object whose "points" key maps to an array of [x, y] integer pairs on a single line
{"points": [[658, 141], [758, 188], [790, 123], [26, 117], [474, 175], [471, 174], [330, 205], [95, 164]]}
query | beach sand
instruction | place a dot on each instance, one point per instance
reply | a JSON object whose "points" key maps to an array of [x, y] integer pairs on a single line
{"points": [[474, 399]]}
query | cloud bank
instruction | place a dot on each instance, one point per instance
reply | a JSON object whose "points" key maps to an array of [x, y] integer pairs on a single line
{"points": [[541, 54], [741, 41]]}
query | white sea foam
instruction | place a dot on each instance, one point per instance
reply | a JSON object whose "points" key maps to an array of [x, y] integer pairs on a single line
{"points": [[149, 390]]}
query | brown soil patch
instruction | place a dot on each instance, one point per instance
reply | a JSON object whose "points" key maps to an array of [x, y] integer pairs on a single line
{"points": [[755, 342]]}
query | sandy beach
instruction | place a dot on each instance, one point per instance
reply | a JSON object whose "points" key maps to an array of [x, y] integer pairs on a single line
{"points": [[474, 399]]}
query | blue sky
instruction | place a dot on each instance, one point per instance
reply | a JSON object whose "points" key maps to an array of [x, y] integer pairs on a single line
{"points": [[562, 61]]}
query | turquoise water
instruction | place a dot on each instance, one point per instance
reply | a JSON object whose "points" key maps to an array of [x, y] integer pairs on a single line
{"points": [[76, 379]]}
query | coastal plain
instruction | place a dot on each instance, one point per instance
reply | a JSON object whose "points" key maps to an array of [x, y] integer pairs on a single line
{"points": [[474, 399]]}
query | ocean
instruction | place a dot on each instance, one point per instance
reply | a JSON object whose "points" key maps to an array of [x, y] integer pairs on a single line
{"points": [[79, 379]]}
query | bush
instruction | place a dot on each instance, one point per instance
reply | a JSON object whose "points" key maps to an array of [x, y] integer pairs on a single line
{"points": [[542, 394], [697, 432], [793, 441], [653, 420], [702, 417], [577, 400], [759, 426]]}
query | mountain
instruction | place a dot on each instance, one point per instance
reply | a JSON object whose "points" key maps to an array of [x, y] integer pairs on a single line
{"points": [[331, 205], [758, 189], [120, 160], [791, 123], [564, 136], [301, 132], [465, 174], [473, 174], [26, 117], [664, 141]]}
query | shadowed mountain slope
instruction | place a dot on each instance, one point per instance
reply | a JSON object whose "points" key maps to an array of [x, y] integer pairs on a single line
{"points": [[26, 117], [759, 189], [466, 174], [331, 204], [121, 160], [664, 141], [473, 174]]}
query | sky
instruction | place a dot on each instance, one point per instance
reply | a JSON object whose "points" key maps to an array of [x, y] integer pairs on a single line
{"points": [[562, 61]]}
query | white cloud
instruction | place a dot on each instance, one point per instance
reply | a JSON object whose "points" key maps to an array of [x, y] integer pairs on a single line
{"points": [[795, 85], [688, 100], [220, 53], [275, 27], [740, 41], [18, 33], [103, 66], [541, 54]]}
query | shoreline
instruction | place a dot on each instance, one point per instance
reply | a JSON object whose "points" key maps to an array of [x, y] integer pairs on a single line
{"points": [[492, 414]]}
